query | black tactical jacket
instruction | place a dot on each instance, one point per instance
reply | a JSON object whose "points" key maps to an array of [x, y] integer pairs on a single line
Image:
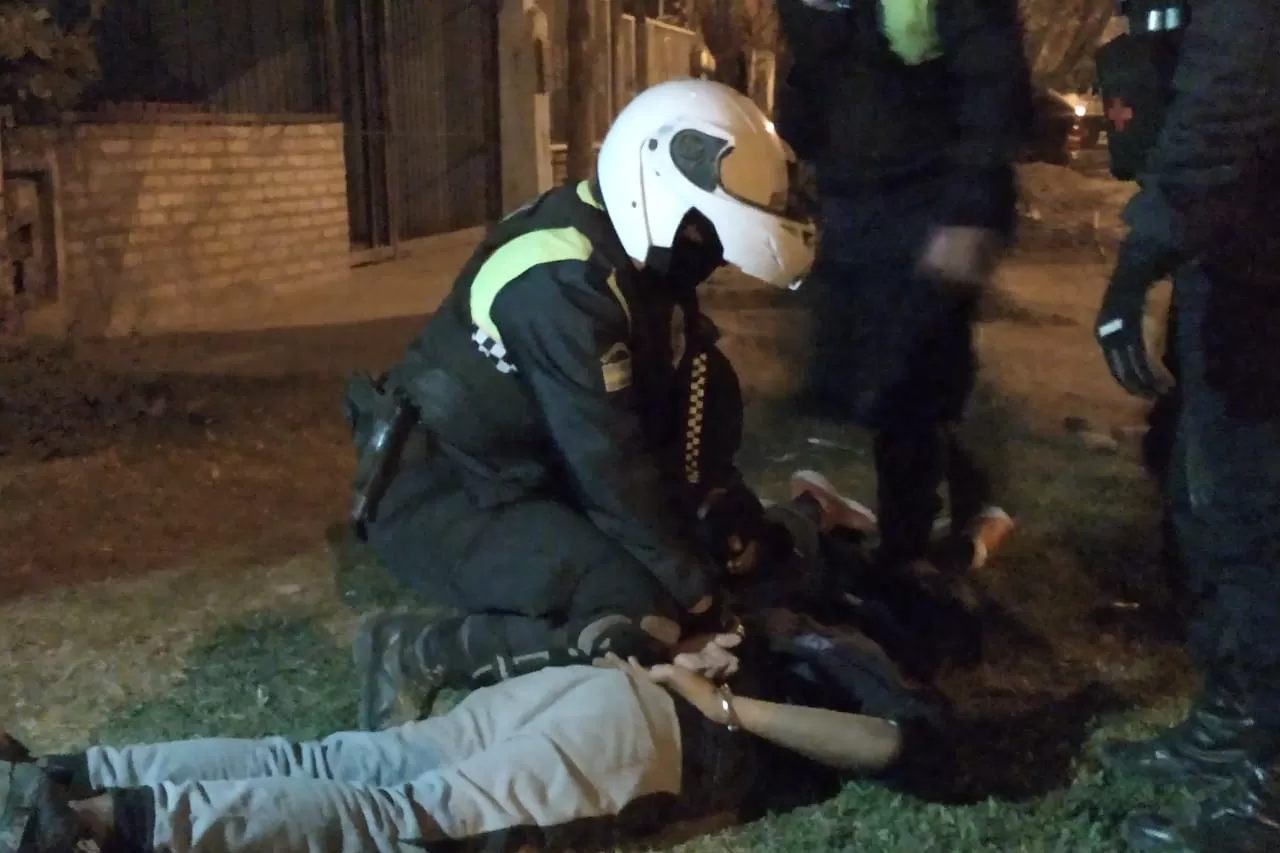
{"points": [[1210, 191], [548, 369], [868, 119]]}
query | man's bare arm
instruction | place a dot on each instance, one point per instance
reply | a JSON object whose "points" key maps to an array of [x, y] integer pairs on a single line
{"points": [[845, 741], [834, 738]]}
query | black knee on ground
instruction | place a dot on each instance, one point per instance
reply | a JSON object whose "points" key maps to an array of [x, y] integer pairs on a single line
{"points": [[621, 636], [69, 771]]}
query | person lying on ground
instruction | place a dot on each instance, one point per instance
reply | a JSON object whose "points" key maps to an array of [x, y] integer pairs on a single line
{"points": [[571, 757]]}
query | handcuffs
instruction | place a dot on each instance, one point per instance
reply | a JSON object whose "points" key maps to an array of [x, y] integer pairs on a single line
{"points": [[731, 721]]}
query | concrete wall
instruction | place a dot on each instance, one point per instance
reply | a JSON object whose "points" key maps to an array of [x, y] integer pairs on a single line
{"points": [[525, 132], [187, 222], [671, 51]]}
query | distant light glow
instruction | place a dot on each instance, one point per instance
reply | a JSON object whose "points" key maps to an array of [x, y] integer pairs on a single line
{"points": [[1081, 109]]}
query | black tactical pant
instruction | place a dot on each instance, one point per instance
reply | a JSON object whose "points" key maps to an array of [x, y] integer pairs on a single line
{"points": [[894, 354], [1224, 490], [1157, 458], [555, 579]]}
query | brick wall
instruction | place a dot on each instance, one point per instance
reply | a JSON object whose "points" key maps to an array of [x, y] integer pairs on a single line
{"points": [[187, 223]]}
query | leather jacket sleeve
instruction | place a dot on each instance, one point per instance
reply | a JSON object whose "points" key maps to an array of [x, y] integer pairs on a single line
{"points": [[1210, 192], [567, 336], [1221, 128], [983, 42]]}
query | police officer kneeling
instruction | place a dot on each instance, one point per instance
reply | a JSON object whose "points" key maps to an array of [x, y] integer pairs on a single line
{"points": [[522, 462]]}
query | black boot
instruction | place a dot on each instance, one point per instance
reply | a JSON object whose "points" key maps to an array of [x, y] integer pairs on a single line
{"points": [[1214, 742], [402, 665], [1240, 816], [34, 814], [405, 659]]}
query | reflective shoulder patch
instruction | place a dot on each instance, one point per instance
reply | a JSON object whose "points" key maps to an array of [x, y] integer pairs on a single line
{"points": [[615, 367], [911, 29], [513, 259]]}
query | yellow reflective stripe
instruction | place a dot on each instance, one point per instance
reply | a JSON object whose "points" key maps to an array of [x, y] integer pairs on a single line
{"points": [[514, 259], [586, 196], [522, 254], [617, 294], [911, 30]]}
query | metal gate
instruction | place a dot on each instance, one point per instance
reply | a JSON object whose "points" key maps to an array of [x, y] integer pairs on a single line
{"points": [[421, 106], [241, 56]]}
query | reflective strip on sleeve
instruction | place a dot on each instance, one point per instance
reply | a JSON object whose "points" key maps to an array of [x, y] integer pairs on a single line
{"points": [[510, 261], [514, 259]]}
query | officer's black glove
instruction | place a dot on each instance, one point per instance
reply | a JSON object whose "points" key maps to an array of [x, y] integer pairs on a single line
{"points": [[719, 618], [1120, 325], [729, 522]]}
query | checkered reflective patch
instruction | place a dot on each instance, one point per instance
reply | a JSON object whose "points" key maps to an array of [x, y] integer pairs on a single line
{"points": [[693, 428], [492, 349]]}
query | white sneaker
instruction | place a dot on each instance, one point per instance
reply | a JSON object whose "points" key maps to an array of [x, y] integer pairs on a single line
{"points": [[837, 510], [987, 530]]}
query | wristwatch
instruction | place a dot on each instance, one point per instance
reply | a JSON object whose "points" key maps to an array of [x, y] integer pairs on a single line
{"points": [[731, 721]]}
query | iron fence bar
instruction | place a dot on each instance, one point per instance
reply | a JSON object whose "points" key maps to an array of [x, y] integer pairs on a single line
{"points": [[332, 57], [390, 150]]}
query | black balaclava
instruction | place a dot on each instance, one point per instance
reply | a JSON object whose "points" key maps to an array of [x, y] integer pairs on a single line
{"points": [[694, 255]]}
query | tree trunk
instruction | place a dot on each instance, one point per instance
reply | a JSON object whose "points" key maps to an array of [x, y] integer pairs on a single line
{"points": [[1062, 36], [641, 11], [617, 94], [1075, 70], [577, 25]]}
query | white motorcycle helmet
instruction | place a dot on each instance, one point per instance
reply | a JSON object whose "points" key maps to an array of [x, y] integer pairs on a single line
{"points": [[698, 145]]}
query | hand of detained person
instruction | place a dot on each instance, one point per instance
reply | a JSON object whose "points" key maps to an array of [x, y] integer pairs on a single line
{"points": [[709, 655], [1121, 325], [961, 257], [698, 691]]}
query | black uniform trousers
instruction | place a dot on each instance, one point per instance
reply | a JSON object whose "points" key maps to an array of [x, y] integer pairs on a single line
{"points": [[539, 562], [1157, 458], [894, 353], [1224, 492]]}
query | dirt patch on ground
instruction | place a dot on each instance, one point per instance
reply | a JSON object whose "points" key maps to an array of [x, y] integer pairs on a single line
{"points": [[1061, 208], [130, 456]]}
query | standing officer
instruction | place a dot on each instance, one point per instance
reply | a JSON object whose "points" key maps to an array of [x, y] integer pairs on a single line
{"points": [[1208, 213], [913, 115]]}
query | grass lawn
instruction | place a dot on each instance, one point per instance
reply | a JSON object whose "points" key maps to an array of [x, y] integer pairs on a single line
{"points": [[188, 596]]}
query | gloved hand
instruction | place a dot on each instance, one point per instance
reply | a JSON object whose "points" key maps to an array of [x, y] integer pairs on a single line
{"points": [[712, 615], [731, 525], [961, 258], [1120, 325]]}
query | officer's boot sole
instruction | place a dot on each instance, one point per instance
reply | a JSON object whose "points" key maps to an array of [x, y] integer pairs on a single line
{"points": [[1160, 760], [1151, 832], [34, 816]]}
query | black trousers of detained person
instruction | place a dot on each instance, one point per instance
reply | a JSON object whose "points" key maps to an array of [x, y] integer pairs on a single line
{"points": [[538, 567]]}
